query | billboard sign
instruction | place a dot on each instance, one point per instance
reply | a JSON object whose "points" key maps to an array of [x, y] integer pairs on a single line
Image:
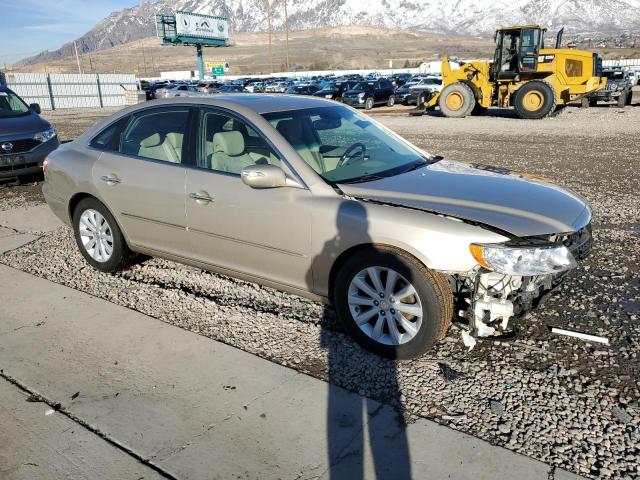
{"points": [[216, 68], [190, 24]]}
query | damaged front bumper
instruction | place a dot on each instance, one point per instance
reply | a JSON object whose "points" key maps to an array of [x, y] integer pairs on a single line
{"points": [[487, 301]]}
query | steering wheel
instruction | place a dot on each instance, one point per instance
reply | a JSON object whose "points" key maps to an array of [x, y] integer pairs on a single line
{"points": [[348, 155]]}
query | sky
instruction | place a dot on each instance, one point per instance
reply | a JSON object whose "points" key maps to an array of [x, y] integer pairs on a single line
{"points": [[28, 27]]}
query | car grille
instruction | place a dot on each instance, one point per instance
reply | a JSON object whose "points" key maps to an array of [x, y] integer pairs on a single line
{"points": [[610, 87], [17, 168], [20, 146]]}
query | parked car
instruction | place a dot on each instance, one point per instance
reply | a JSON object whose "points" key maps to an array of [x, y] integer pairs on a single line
{"points": [[422, 91], [402, 93], [25, 137], [370, 93], [209, 87], [304, 89], [334, 90], [618, 88], [185, 90], [230, 88], [277, 87], [311, 197]]}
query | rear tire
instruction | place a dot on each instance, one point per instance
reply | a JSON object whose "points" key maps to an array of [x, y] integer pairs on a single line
{"points": [[391, 101], [535, 100], [99, 237], [457, 100], [430, 300], [585, 102]]}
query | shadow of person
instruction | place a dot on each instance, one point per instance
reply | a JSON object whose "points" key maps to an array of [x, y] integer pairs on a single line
{"points": [[352, 417]]}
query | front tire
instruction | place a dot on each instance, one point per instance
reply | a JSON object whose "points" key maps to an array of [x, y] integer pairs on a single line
{"points": [[391, 304], [391, 101], [535, 100], [457, 100], [368, 103], [99, 237]]}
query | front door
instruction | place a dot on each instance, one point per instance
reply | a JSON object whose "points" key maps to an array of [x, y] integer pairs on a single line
{"points": [[264, 233], [142, 179]]}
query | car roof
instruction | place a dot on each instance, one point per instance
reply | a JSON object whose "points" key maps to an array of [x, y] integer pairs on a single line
{"points": [[258, 103]]}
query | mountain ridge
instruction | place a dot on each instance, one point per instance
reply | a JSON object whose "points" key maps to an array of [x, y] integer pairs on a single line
{"points": [[462, 17]]}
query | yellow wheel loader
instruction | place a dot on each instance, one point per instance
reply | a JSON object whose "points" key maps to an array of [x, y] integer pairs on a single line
{"points": [[523, 74]]}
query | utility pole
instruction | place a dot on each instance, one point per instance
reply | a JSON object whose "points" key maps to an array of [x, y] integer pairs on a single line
{"points": [[286, 28], [75, 46], [144, 56], [267, 4]]}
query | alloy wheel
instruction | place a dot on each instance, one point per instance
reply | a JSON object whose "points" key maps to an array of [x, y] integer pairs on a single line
{"points": [[96, 235], [385, 305]]}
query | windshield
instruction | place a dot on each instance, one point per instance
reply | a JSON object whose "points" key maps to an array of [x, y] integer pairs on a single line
{"points": [[363, 86], [617, 74], [11, 105], [430, 81], [344, 146]]}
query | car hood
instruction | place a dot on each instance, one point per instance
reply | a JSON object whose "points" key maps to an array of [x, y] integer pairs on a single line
{"points": [[23, 124], [517, 203]]}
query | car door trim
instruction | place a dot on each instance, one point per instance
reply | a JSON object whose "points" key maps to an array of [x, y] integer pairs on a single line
{"points": [[245, 242], [151, 220]]}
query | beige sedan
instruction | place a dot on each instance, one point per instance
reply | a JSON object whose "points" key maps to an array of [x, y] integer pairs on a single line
{"points": [[313, 198]]}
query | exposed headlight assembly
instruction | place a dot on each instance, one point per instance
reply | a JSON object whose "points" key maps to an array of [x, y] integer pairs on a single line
{"points": [[523, 260], [46, 135]]}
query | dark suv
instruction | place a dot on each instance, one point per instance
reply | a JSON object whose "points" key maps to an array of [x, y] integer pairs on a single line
{"points": [[25, 137], [618, 88], [334, 90], [368, 93]]}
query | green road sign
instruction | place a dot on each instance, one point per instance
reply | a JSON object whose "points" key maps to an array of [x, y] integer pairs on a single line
{"points": [[217, 70]]}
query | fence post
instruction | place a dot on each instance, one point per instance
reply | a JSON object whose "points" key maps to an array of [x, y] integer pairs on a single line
{"points": [[99, 90], [53, 105]]}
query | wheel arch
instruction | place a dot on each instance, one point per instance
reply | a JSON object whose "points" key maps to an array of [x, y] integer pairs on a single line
{"points": [[362, 247], [79, 196]]}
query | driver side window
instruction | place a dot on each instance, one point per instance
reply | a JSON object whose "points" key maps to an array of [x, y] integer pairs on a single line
{"points": [[227, 144]]}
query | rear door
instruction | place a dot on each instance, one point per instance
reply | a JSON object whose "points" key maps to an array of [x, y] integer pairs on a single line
{"points": [[141, 178]]}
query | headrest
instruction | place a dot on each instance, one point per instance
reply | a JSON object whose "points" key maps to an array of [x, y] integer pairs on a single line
{"points": [[175, 139], [291, 130], [152, 141], [231, 143]]}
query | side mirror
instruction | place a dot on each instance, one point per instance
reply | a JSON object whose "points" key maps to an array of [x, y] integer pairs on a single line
{"points": [[264, 176], [36, 108]]}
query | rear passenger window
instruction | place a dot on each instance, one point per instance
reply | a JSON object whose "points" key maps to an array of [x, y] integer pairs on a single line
{"points": [[109, 138], [157, 134]]}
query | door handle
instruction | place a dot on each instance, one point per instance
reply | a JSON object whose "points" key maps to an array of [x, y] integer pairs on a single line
{"points": [[110, 179], [203, 197]]}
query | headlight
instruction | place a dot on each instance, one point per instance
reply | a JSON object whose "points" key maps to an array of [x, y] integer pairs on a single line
{"points": [[361, 95], [525, 261], [328, 96], [46, 135]]}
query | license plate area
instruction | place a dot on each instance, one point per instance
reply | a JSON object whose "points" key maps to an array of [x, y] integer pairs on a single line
{"points": [[11, 160]]}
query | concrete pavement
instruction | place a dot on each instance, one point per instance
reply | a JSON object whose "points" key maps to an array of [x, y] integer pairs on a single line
{"points": [[198, 409]]}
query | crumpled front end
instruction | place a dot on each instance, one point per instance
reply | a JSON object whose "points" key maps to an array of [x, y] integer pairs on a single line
{"points": [[488, 301]]}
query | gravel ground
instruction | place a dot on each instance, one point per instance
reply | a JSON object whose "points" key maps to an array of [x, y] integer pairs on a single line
{"points": [[561, 400]]}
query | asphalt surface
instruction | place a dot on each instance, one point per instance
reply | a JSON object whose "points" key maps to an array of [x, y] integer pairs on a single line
{"points": [[557, 399]]}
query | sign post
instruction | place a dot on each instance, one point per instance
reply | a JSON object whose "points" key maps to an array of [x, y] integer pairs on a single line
{"points": [[187, 28]]}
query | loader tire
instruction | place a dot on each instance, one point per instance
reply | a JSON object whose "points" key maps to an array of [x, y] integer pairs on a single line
{"points": [[622, 99], [457, 100], [535, 100]]}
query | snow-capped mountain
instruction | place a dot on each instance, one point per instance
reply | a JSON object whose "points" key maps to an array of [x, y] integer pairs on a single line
{"points": [[460, 17]]}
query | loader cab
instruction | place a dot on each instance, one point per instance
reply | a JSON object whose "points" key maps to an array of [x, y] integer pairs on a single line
{"points": [[516, 51]]}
